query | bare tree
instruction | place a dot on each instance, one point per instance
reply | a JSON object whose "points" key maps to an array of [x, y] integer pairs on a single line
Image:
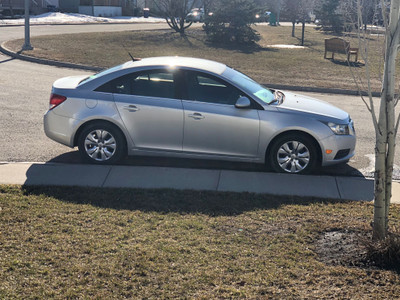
{"points": [[298, 12], [174, 12], [387, 126], [384, 120], [349, 11], [292, 10]]}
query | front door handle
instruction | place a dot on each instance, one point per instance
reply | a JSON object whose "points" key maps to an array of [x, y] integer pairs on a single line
{"points": [[197, 116], [131, 108]]}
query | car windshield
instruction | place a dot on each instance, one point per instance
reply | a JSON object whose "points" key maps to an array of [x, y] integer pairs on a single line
{"points": [[102, 73], [250, 86]]}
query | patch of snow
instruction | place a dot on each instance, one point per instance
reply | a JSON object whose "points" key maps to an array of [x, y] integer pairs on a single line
{"points": [[70, 18], [287, 46], [370, 170]]}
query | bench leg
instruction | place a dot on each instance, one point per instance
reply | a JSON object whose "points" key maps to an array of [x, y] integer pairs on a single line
{"points": [[325, 55], [355, 58]]}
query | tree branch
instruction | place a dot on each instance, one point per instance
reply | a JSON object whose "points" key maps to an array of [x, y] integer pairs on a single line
{"points": [[364, 55]]}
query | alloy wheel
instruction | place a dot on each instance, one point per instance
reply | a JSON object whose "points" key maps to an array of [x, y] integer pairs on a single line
{"points": [[293, 156], [100, 145]]}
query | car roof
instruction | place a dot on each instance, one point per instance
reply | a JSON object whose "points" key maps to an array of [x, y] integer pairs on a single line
{"points": [[178, 61]]}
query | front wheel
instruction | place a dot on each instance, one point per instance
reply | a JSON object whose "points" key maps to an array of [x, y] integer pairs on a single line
{"points": [[294, 154], [101, 143]]}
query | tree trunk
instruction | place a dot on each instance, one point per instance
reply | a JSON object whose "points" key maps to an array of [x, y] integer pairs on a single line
{"points": [[293, 28], [385, 134], [380, 220], [302, 32]]}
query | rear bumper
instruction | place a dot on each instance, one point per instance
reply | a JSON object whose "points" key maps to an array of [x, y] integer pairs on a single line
{"points": [[58, 128]]}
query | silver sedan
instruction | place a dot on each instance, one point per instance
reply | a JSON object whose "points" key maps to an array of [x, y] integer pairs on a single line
{"points": [[189, 107]]}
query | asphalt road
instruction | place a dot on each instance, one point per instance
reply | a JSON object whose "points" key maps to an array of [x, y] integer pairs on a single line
{"points": [[24, 96]]}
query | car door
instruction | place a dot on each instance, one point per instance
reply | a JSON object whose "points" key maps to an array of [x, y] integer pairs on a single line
{"points": [[212, 123], [149, 109]]}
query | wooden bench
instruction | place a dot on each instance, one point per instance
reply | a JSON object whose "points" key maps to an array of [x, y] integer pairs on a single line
{"points": [[338, 45]]}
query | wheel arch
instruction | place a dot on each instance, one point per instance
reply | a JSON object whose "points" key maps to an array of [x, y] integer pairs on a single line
{"points": [[298, 132]]}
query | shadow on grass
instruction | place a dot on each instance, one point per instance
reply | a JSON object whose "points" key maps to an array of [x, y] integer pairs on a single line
{"points": [[196, 38], [164, 36], [385, 254], [242, 48], [161, 200], [201, 37], [345, 63], [170, 201]]}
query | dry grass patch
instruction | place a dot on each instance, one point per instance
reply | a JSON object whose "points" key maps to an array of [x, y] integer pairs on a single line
{"points": [[155, 244], [301, 67]]}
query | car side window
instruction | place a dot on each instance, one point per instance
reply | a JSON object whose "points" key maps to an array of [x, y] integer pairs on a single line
{"points": [[158, 83], [207, 88], [154, 84]]}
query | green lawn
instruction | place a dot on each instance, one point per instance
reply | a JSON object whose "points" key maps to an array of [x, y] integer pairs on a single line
{"points": [[88, 243], [300, 67]]}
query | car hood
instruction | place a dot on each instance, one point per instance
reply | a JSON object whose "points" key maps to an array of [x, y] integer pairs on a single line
{"points": [[305, 104]]}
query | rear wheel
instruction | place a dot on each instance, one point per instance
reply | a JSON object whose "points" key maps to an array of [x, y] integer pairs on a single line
{"points": [[294, 154], [101, 143]]}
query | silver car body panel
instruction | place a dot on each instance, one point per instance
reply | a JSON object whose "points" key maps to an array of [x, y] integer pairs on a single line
{"points": [[153, 123], [221, 129], [305, 104], [185, 128]]}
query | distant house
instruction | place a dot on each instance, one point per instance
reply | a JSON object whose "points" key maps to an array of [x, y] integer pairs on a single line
{"points": [[69, 6], [109, 8], [12, 8], [104, 8]]}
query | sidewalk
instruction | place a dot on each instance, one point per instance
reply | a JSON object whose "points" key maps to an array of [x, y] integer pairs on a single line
{"points": [[332, 187]]}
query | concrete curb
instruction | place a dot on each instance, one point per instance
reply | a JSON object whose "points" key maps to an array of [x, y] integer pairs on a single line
{"points": [[13, 54], [58, 174]]}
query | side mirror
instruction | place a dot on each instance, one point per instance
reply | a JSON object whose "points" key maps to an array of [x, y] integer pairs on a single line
{"points": [[243, 102]]}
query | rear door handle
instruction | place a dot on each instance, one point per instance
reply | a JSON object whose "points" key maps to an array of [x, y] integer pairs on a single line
{"points": [[197, 116], [131, 108]]}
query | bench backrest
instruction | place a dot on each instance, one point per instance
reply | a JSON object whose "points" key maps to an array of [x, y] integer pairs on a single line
{"points": [[337, 45]]}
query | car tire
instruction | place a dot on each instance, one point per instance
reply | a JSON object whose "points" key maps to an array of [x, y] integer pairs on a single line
{"points": [[293, 154], [101, 143]]}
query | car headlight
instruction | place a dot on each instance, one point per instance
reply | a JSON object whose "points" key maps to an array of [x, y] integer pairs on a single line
{"points": [[339, 129]]}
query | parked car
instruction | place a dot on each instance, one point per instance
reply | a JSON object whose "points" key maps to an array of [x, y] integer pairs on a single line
{"points": [[195, 15], [262, 17], [189, 107]]}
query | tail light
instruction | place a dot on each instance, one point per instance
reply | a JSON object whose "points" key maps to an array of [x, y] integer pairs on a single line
{"points": [[56, 100]]}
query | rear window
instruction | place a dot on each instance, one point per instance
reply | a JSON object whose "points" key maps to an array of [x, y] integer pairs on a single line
{"points": [[102, 73]]}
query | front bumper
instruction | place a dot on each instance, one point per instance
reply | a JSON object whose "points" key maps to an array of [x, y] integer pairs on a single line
{"points": [[342, 146]]}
